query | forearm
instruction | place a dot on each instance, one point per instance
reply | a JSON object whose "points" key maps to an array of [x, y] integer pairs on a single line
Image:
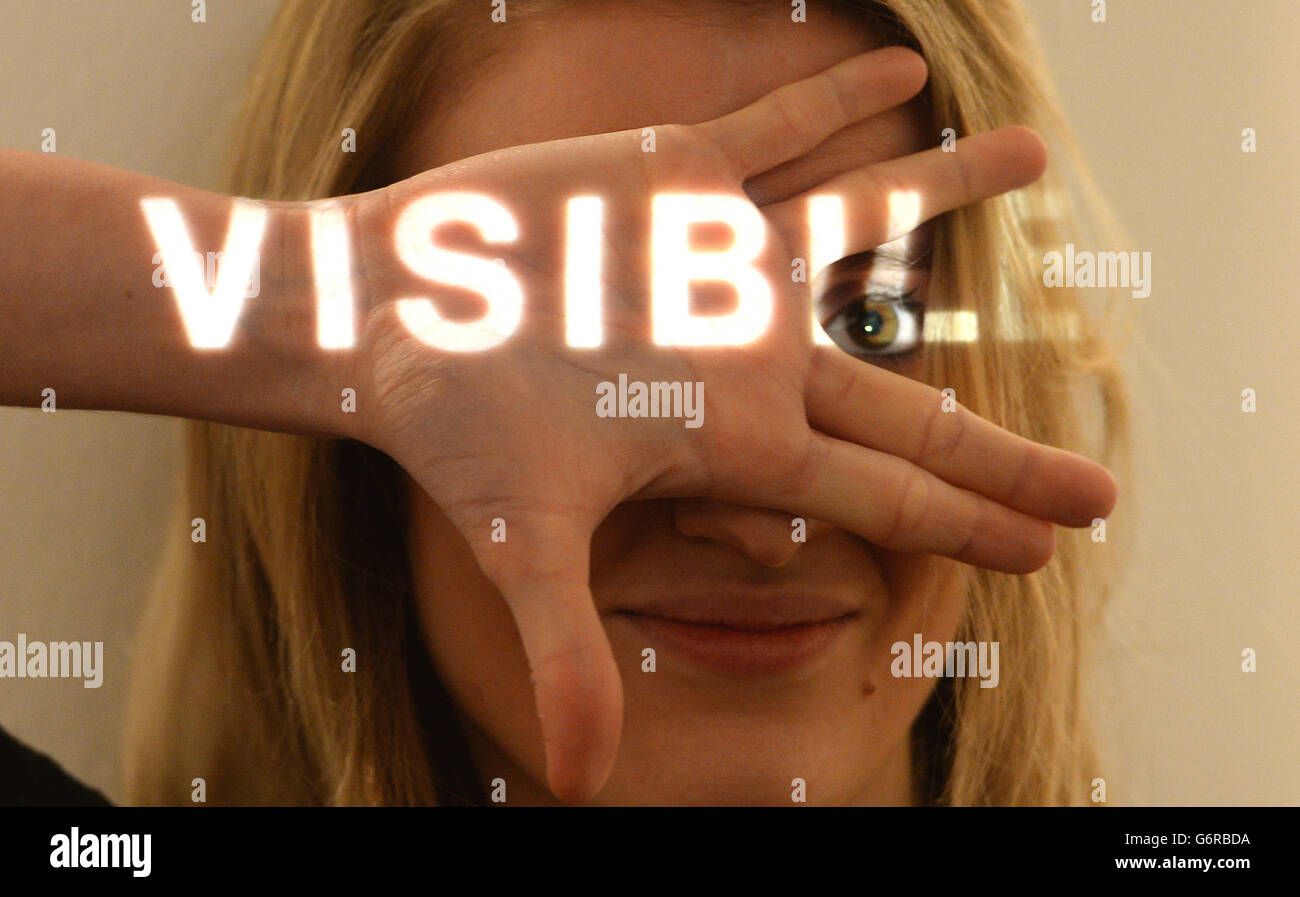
{"points": [[82, 311]]}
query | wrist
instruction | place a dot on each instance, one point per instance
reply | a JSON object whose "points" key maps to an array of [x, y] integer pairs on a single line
{"points": [[306, 371]]}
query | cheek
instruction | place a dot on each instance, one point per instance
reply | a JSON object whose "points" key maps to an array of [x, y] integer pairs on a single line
{"points": [[927, 595], [472, 640]]}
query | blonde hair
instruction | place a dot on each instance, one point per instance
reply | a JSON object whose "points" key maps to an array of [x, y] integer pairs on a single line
{"points": [[238, 664]]}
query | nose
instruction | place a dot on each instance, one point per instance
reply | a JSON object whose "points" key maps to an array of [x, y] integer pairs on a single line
{"points": [[766, 536]]}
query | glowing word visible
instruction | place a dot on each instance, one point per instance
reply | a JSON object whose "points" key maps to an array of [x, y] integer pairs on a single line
{"points": [[211, 312]]}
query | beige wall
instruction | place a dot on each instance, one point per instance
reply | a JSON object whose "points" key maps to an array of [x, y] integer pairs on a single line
{"points": [[1159, 95], [85, 497]]}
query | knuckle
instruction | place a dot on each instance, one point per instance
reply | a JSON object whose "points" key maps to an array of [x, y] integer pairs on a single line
{"points": [[850, 384], [964, 174], [1021, 479], [693, 145], [839, 101], [690, 138], [529, 566], [911, 510], [794, 111], [564, 663], [789, 462], [942, 437], [807, 460], [875, 189], [969, 526]]}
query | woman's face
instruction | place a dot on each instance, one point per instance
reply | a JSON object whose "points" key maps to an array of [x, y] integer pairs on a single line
{"points": [[733, 713]]}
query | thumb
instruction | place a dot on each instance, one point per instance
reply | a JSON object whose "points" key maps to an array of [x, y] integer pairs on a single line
{"points": [[543, 577]]}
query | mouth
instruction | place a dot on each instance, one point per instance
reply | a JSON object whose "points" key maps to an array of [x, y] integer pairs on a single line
{"points": [[743, 636]]}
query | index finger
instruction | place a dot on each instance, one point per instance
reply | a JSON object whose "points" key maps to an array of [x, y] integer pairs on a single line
{"points": [[888, 200], [793, 119]]}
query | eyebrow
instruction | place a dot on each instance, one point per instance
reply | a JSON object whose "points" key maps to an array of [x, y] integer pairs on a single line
{"points": [[916, 254], [895, 254]]}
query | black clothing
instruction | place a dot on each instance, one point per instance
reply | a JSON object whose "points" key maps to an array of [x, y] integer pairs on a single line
{"points": [[29, 779]]}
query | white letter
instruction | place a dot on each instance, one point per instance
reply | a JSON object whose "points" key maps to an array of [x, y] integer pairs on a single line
{"points": [[142, 852], [498, 286], [581, 279], [605, 398], [94, 668], [989, 675], [826, 226], [693, 404], [1053, 273], [59, 855], [331, 258], [675, 266], [209, 318], [1142, 276]]}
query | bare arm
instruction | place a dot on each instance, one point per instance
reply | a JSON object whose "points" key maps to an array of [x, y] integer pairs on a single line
{"points": [[81, 310]]}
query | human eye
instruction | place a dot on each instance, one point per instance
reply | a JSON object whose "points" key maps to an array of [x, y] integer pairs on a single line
{"points": [[871, 306], [878, 326]]}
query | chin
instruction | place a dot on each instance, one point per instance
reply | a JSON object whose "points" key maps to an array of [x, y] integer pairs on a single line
{"points": [[747, 735]]}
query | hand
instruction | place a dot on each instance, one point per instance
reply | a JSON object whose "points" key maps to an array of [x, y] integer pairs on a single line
{"points": [[512, 432]]}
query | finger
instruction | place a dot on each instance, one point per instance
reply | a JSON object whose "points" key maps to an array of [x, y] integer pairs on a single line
{"points": [[791, 120], [575, 679], [897, 505], [888, 200], [861, 403]]}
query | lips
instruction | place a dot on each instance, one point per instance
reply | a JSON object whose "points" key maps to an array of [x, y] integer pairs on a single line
{"points": [[743, 635]]}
